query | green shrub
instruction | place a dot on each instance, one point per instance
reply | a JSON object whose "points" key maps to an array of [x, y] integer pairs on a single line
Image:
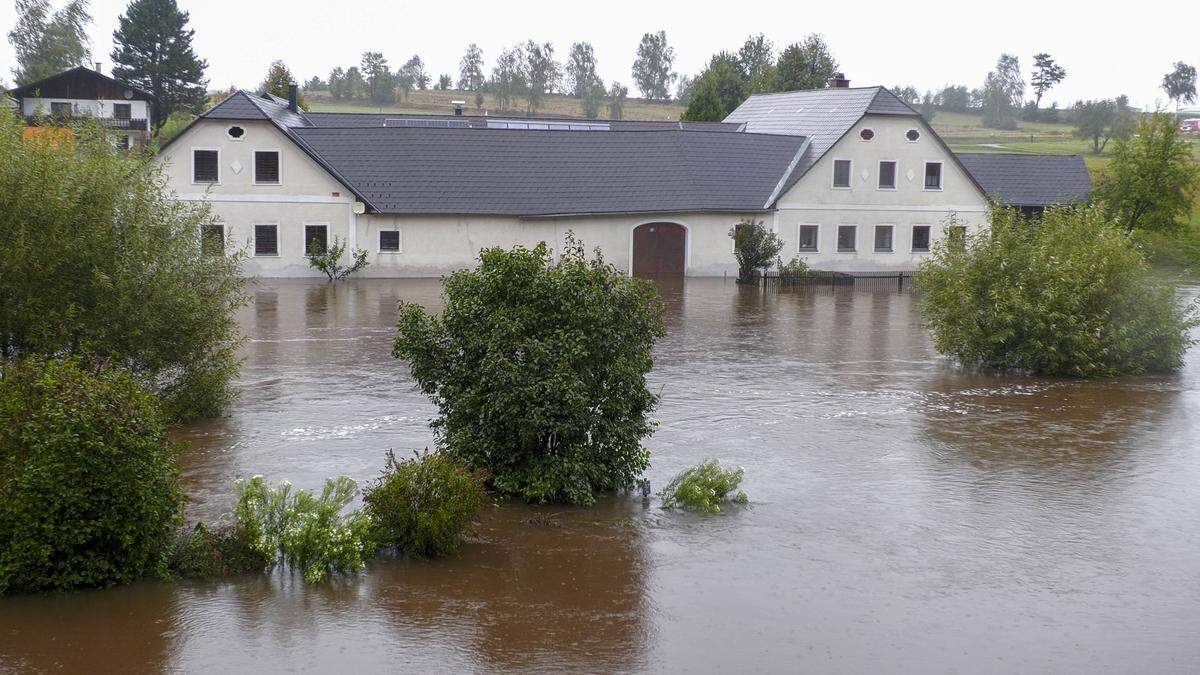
{"points": [[329, 260], [795, 268], [704, 488], [203, 553], [99, 261], [89, 492], [1066, 294], [754, 247], [538, 369], [304, 531], [424, 505]]}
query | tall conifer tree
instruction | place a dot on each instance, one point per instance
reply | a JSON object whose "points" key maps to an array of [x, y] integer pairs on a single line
{"points": [[154, 52]]}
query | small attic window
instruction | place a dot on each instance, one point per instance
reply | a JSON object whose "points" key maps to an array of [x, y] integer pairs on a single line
{"points": [[866, 134], [913, 135], [235, 132]]}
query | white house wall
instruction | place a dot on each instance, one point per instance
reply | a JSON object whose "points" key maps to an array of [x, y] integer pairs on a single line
{"points": [[138, 110], [814, 200]]}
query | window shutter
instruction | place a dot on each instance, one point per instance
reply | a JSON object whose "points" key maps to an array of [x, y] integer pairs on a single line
{"points": [[266, 240], [266, 167], [204, 166]]}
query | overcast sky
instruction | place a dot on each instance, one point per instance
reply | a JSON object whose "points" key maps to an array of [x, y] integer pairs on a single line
{"points": [[927, 44]]}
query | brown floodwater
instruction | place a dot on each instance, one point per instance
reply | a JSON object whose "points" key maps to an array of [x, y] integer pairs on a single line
{"points": [[905, 516]]}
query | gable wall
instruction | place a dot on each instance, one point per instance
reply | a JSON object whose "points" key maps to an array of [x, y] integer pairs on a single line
{"points": [[814, 200]]}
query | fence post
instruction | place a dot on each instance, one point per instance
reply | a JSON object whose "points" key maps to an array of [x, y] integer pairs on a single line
{"points": [[900, 282]]}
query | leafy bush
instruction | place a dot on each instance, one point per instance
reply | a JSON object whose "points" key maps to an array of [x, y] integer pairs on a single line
{"points": [[755, 247], [203, 553], [1151, 182], [329, 261], [99, 261], [304, 531], [1066, 294], [89, 492], [1178, 247], [538, 369], [795, 268], [423, 506], [704, 488]]}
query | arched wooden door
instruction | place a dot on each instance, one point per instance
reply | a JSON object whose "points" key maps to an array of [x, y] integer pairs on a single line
{"points": [[659, 250]]}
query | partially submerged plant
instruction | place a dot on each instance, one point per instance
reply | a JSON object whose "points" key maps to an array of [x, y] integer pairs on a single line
{"points": [[307, 532], [704, 488], [329, 260]]}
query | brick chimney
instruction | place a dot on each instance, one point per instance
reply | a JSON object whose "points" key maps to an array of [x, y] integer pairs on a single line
{"points": [[293, 94], [838, 81]]}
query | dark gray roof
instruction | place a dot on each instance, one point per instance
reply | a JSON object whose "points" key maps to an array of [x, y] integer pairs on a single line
{"points": [[539, 173], [824, 115], [1029, 180], [242, 105]]}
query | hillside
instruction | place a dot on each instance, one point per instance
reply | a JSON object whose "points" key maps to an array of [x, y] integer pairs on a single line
{"points": [[438, 103]]}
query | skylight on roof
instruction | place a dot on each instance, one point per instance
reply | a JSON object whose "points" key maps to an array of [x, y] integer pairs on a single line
{"points": [[426, 123], [548, 126]]}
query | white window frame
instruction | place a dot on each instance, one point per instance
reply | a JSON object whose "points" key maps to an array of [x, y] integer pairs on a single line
{"points": [[399, 241], [941, 176], [837, 243], [895, 175], [314, 223], [800, 228], [254, 240], [193, 166], [833, 174], [911, 230], [874, 248], [254, 165], [235, 138]]}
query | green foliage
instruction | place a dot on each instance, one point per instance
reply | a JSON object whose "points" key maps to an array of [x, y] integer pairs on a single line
{"points": [[538, 368], [329, 260], [172, 127], [1003, 93], [98, 260], [805, 65], [153, 51], [1151, 182], [89, 492], [423, 506], [704, 488], [470, 69], [278, 82], [1177, 247], [717, 91], [1065, 294], [1099, 121], [652, 68], [1180, 83], [46, 43], [617, 93], [308, 533], [206, 553], [795, 268], [1046, 74], [755, 247]]}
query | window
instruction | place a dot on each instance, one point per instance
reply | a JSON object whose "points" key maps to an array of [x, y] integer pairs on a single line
{"points": [[205, 166], [841, 173], [266, 240], [920, 238], [235, 132], [808, 237], [933, 175], [61, 111], [212, 239], [847, 234], [389, 241], [887, 175], [124, 142], [913, 135], [266, 167], [316, 239], [866, 134], [883, 238], [122, 111], [957, 235]]}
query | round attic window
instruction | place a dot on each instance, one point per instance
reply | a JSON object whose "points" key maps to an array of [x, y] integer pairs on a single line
{"points": [[866, 134], [128, 93], [236, 133], [913, 135]]}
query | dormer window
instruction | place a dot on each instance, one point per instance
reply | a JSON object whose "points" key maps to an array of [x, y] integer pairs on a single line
{"points": [[235, 132], [866, 134]]}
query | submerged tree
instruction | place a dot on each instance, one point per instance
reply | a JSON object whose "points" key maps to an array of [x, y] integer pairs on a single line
{"points": [[1064, 294], [755, 248], [538, 369], [329, 259], [99, 261]]}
